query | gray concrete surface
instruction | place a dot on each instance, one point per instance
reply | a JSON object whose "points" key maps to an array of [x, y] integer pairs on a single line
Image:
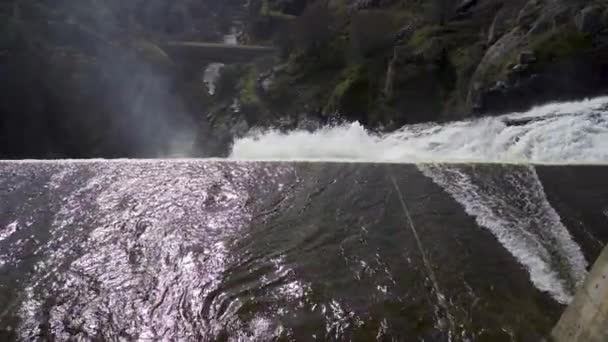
{"points": [[586, 319]]}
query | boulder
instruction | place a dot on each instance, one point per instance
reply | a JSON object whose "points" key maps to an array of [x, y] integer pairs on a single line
{"points": [[466, 6], [493, 63], [498, 27], [527, 57], [542, 25], [589, 20], [529, 13], [517, 71]]}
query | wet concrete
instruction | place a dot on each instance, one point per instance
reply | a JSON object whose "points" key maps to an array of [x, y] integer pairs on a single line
{"points": [[586, 318], [208, 250]]}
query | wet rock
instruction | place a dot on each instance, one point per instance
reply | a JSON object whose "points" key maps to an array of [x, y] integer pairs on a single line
{"points": [[500, 86], [403, 34], [367, 4], [489, 69], [544, 24], [433, 50], [566, 80], [240, 128], [292, 7], [519, 68], [562, 15], [527, 57], [405, 55], [520, 121], [589, 20], [529, 13], [466, 5], [498, 27], [266, 81]]}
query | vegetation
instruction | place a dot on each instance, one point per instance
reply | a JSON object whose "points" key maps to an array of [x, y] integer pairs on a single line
{"points": [[412, 51], [352, 92], [266, 10], [249, 92], [384, 63], [559, 44], [88, 78]]}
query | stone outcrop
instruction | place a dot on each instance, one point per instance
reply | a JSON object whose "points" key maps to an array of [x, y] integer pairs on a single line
{"points": [[530, 51], [589, 20], [384, 63], [551, 53]]}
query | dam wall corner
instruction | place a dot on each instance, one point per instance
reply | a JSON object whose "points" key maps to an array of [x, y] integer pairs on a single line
{"points": [[586, 318]]}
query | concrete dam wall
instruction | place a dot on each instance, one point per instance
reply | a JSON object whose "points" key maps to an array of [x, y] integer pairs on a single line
{"points": [[586, 318], [237, 251]]}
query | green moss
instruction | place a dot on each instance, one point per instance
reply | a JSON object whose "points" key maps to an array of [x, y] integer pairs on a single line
{"points": [[464, 61], [461, 58], [249, 93], [343, 87], [499, 71], [351, 94], [325, 61], [228, 81], [351, 76], [423, 35], [556, 45]]}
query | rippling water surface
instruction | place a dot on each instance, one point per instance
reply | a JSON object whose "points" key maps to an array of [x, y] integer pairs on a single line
{"points": [[207, 250]]}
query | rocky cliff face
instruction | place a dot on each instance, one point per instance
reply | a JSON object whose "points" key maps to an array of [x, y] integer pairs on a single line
{"points": [[554, 50], [88, 78], [390, 63]]}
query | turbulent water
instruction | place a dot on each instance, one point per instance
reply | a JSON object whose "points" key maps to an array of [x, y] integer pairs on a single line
{"points": [[254, 251], [573, 132], [522, 219]]}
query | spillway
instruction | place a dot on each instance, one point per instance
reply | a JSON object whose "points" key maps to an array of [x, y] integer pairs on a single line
{"points": [[232, 250]]}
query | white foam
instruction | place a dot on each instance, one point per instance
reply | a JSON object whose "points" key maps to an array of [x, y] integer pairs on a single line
{"points": [[9, 230], [572, 132], [211, 75], [516, 211]]}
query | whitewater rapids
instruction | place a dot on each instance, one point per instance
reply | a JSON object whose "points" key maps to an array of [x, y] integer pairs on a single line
{"points": [[570, 132]]}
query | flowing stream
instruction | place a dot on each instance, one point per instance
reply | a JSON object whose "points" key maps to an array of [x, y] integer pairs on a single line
{"points": [[387, 239], [573, 132]]}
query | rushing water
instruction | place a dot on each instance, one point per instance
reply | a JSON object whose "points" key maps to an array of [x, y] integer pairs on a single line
{"points": [[211, 75], [522, 220], [574, 132], [212, 71], [255, 251]]}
